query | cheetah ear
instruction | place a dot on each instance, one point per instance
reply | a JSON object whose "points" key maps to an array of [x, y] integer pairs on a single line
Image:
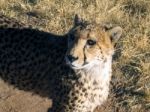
{"points": [[115, 34], [77, 20]]}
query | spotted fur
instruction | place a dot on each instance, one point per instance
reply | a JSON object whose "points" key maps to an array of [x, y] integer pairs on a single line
{"points": [[66, 68]]}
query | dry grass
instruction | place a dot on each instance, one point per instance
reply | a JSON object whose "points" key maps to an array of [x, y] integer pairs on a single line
{"points": [[131, 68]]}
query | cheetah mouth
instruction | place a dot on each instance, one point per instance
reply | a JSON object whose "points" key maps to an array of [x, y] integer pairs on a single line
{"points": [[78, 67], [84, 65]]}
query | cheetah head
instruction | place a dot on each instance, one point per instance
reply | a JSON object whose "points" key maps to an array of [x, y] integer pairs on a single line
{"points": [[90, 43]]}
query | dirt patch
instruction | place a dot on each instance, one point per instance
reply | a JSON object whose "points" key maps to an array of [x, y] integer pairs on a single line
{"points": [[14, 100]]}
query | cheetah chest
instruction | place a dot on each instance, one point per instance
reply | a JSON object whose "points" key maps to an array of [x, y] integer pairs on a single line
{"points": [[90, 94], [92, 88]]}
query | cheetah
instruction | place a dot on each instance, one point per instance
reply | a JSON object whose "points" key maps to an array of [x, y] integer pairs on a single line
{"points": [[74, 70]]}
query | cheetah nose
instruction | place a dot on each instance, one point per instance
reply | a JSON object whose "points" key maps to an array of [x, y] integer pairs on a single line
{"points": [[71, 58]]}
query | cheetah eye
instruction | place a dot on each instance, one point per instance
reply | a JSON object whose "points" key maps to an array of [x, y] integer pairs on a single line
{"points": [[91, 42]]}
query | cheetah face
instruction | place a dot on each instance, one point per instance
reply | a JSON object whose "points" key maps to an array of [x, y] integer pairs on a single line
{"points": [[90, 44]]}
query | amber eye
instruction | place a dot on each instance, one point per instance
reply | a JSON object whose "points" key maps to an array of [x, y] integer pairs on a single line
{"points": [[91, 42]]}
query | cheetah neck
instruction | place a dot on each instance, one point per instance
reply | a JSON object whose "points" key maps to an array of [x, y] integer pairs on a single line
{"points": [[100, 71]]}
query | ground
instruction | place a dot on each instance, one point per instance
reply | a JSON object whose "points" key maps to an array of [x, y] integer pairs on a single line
{"points": [[13, 100], [130, 86]]}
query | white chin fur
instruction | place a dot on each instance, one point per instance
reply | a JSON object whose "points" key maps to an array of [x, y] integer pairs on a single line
{"points": [[89, 65]]}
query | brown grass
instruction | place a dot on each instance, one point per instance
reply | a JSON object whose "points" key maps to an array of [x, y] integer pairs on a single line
{"points": [[131, 67]]}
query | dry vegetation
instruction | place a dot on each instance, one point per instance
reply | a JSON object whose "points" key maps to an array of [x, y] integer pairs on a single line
{"points": [[131, 67]]}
